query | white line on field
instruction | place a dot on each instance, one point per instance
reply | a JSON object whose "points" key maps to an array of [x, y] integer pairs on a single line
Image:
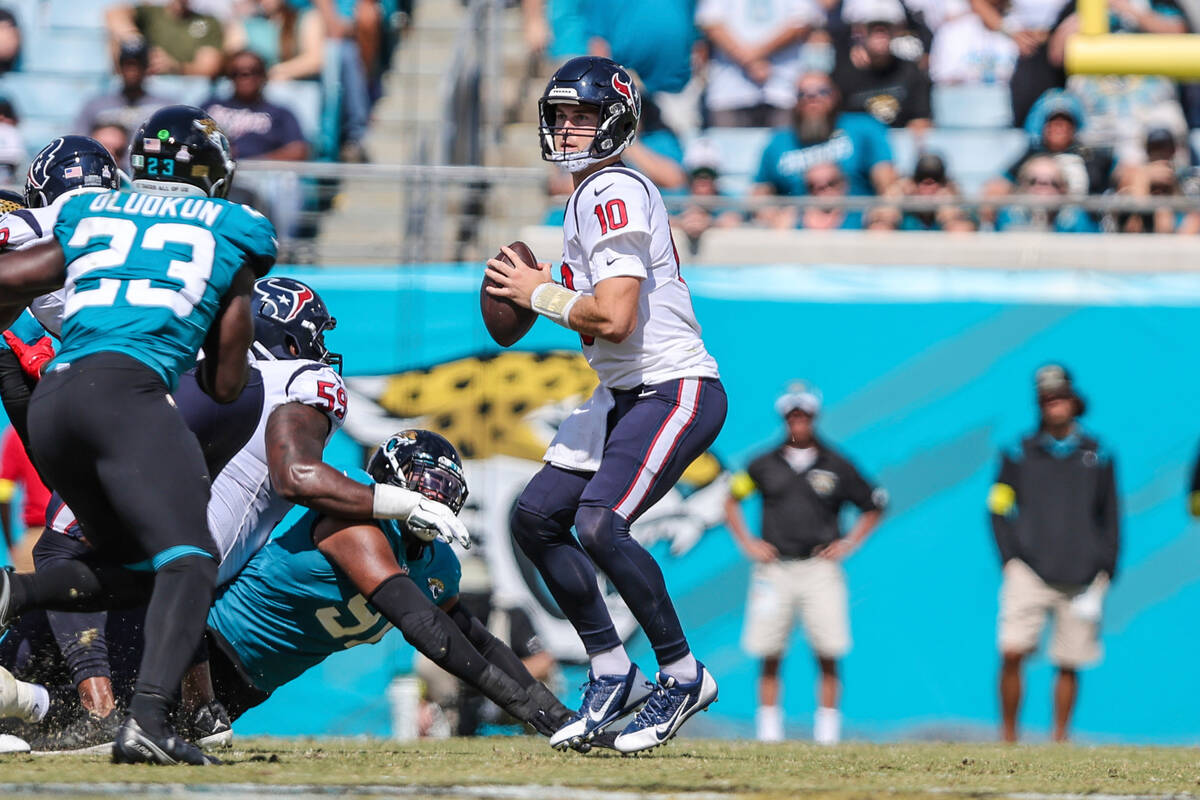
{"points": [[253, 791]]}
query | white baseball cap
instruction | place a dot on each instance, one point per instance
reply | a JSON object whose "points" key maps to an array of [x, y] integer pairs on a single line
{"points": [[862, 12], [799, 397]]}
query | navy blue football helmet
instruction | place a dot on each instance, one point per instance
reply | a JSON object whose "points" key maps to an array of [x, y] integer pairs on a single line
{"points": [[290, 320], [66, 164], [599, 82], [180, 147], [424, 462]]}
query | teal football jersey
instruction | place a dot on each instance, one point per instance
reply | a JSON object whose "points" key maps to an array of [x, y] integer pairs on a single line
{"points": [[290, 608], [146, 273]]}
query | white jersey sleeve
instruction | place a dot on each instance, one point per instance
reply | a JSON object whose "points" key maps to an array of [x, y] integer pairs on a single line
{"points": [[26, 227], [319, 386], [614, 226], [22, 229]]}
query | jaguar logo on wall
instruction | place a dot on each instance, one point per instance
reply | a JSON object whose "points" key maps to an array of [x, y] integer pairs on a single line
{"points": [[501, 411]]}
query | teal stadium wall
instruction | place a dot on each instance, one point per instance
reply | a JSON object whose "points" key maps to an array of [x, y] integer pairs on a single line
{"points": [[926, 374]]}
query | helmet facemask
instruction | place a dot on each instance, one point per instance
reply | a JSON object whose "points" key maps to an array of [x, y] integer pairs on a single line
{"points": [[610, 139]]}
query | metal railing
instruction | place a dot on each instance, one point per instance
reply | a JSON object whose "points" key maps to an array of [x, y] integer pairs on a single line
{"points": [[391, 213]]}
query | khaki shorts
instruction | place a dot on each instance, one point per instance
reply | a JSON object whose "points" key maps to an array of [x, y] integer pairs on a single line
{"points": [[814, 589], [1025, 602]]}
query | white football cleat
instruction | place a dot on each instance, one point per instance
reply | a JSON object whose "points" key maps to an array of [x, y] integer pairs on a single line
{"points": [[26, 701], [12, 744], [671, 704], [606, 698]]}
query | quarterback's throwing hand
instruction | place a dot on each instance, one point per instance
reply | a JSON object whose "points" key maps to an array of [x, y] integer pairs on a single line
{"points": [[430, 520], [518, 279]]}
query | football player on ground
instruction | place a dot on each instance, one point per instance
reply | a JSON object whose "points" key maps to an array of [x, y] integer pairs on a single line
{"points": [[150, 275], [327, 584], [264, 453], [659, 405]]}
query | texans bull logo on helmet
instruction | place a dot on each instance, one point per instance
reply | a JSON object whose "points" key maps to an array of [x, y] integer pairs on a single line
{"points": [[282, 301]]}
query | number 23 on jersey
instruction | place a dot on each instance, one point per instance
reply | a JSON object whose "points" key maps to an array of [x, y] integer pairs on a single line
{"points": [[193, 272]]}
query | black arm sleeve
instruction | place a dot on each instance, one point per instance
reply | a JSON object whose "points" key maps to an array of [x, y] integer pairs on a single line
{"points": [[491, 648], [1108, 519], [428, 628]]}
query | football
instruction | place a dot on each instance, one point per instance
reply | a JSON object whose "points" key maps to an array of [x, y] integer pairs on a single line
{"points": [[506, 321]]}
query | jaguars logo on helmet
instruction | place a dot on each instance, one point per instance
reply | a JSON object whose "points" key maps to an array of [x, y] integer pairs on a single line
{"points": [[424, 462], [67, 164], [181, 150], [594, 81], [290, 321]]}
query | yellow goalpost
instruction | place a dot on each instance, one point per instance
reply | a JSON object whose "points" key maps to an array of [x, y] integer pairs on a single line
{"points": [[1095, 51]]}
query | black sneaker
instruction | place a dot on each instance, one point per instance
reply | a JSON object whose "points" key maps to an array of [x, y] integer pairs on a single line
{"points": [[209, 726], [134, 746]]}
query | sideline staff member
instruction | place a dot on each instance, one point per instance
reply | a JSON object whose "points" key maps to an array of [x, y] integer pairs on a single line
{"points": [[804, 483], [1054, 515]]}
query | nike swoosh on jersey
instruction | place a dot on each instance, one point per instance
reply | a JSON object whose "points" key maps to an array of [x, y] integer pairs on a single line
{"points": [[605, 189]]}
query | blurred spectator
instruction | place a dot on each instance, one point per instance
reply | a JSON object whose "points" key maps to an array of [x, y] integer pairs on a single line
{"points": [[1028, 23], [357, 27], [656, 152], [259, 129], [1194, 491], [702, 161], [290, 42], [16, 470], [871, 78], [115, 140], [798, 558], [663, 60], [1042, 177], [1120, 109], [1054, 515], [12, 146], [10, 41], [1054, 123], [255, 127], [819, 134], [756, 58], [535, 27], [1156, 179], [965, 51], [929, 180], [181, 40], [827, 180], [882, 218], [131, 104]]}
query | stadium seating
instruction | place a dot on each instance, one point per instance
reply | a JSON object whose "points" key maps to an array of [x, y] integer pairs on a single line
{"points": [[78, 13], [190, 89], [972, 155], [58, 50], [981, 106]]}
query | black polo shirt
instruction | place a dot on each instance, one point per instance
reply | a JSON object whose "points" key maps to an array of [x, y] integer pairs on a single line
{"points": [[800, 509]]}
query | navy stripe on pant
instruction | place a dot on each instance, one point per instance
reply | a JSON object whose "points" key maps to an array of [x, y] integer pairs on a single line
{"points": [[654, 433]]}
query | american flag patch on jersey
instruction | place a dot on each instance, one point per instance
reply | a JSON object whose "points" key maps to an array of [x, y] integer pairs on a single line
{"points": [[73, 172]]}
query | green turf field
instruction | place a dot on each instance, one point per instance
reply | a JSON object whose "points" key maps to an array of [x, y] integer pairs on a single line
{"points": [[485, 767]]}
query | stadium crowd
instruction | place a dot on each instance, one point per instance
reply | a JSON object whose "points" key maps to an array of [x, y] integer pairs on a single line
{"points": [[827, 92]]}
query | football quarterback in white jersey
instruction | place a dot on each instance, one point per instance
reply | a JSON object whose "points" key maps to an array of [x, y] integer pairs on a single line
{"points": [[659, 405]]}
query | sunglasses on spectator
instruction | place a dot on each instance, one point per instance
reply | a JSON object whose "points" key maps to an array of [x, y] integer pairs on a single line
{"points": [[827, 185], [254, 72], [816, 94], [1038, 180], [1050, 398], [1162, 188]]}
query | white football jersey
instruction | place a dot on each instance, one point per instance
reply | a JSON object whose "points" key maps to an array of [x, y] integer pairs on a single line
{"points": [[244, 507], [616, 225], [25, 227]]}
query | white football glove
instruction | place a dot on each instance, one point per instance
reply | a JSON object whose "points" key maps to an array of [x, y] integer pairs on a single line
{"points": [[431, 519]]}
